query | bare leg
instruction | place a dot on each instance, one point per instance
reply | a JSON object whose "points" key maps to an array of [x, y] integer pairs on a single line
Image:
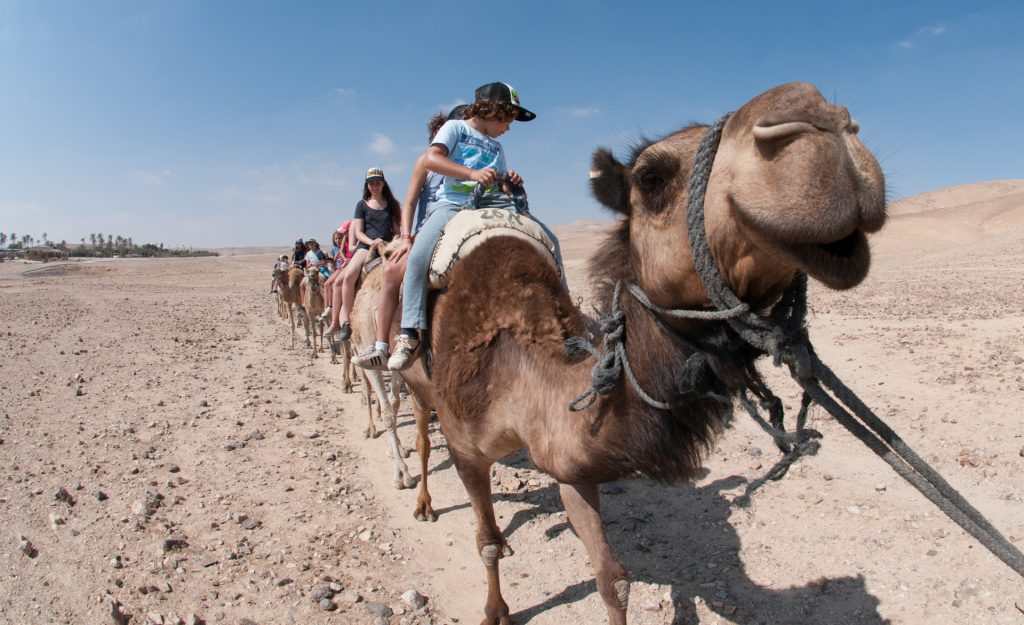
{"points": [[583, 505], [475, 474], [424, 511], [388, 301], [348, 289], [401, 472]]}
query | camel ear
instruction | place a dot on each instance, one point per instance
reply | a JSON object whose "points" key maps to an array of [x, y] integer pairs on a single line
{"points": [[608, 181]]}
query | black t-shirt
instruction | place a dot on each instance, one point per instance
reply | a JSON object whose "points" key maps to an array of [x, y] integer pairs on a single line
{"points": [[376, 222]]}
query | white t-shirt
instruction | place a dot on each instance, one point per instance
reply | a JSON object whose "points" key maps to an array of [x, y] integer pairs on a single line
{"points": [[470, 148]]}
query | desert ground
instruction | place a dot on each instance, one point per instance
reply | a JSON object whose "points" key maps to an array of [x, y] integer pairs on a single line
{"points": [[162, 447]]}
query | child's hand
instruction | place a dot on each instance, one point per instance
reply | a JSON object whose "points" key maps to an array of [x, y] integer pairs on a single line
{"points": [[514, 178], [486, 176]]}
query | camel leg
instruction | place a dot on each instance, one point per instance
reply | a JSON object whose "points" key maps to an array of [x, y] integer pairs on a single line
{"points": [[396, 396], [291, 324], [346, 369], [305, 323], [491, 545], [583, 505], [371, 428], [424, 511], [402, 477]]}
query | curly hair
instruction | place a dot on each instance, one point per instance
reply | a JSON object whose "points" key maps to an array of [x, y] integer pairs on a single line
{"points": [[489, 109], [435, 124]]}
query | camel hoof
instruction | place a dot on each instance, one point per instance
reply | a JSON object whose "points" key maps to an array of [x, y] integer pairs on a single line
{"points": [[368, 433], [506, 551], [401, 485], [501, 620], [410, 481], [406, 453]]}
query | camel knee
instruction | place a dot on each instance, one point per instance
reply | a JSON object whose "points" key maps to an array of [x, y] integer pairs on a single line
{"points": [[614, 590], [490, 554]]}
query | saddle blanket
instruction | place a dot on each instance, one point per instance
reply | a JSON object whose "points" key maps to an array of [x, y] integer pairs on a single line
{"points": [[470, 228]]}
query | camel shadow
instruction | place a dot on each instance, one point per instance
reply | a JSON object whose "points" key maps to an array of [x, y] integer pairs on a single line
{"points": [[680, 538]]}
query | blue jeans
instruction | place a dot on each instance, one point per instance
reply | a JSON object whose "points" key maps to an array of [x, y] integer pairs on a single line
{"points": [[415, 284]]}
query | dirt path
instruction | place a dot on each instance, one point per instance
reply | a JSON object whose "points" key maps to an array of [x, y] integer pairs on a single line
{"points": [[174, 378]]}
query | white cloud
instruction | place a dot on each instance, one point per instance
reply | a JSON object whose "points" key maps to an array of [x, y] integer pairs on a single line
{"points": [[344, 92], [582, 112], [933, 30], [382, 145], [154, 178]]}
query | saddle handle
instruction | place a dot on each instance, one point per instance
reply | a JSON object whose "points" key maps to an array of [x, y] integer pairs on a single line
{"points": [[516, 193]]}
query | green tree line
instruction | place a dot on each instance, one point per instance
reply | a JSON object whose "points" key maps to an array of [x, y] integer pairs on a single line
{"points": [[98, 245]]}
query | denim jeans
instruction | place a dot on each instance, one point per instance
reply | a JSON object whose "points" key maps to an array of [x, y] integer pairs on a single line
{"points": [[415, 284]]}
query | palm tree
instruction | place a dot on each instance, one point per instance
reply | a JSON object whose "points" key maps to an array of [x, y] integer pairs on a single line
{"points": [[3, 239], [46, 239], [92, 240]]}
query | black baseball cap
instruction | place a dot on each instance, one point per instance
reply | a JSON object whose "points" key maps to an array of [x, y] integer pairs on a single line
{"points": [[502, 92]]}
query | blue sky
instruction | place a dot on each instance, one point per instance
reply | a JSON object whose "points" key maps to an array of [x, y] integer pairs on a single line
{"points": [[244, 123]]}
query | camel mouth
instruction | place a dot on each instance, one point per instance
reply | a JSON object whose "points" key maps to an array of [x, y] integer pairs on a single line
{"points": [[840, 264]]}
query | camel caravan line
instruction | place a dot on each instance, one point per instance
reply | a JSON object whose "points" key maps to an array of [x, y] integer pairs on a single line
{"points": [[719, 229]]}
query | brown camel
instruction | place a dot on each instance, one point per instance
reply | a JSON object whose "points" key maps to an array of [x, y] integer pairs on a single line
{"points": [[288, 291], [363, 320], [312, 297], [792, 190]]}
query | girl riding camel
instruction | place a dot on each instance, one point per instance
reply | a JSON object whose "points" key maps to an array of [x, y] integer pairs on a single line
{"points": [[374, 224]]}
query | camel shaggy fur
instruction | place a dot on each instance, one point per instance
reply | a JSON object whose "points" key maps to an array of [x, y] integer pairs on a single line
{"points": [[792, 190]]}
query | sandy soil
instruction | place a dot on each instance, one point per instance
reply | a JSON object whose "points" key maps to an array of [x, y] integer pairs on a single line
{"points": [[236, 483]]}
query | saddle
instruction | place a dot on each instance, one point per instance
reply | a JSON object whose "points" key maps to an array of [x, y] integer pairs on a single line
{"points": [[468, 229]]}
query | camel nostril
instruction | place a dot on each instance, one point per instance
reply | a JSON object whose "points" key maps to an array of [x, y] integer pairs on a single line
{"points": [[774, 132]]}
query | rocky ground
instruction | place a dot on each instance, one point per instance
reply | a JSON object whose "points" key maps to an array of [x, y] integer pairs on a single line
{"points": [[166, 457]]}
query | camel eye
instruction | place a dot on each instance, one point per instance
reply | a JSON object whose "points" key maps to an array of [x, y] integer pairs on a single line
{"points": [[650, 181]]}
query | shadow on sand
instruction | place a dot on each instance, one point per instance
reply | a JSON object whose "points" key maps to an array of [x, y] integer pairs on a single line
{"points": [[680, 538]]}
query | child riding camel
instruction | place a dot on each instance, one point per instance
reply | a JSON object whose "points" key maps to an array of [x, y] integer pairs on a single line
{"points": [[466, 152], [374, 225], [419, 200]]}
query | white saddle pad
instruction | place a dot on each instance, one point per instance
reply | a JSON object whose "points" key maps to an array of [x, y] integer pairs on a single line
{"points": [[469, 228]]}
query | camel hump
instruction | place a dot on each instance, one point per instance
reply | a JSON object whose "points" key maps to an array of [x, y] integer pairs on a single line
{"points": [[471, 228]]}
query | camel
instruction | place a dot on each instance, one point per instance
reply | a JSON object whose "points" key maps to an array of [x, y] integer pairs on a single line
{"points": [[363, 322], [289, 295], [792, 191], [312, 297]]}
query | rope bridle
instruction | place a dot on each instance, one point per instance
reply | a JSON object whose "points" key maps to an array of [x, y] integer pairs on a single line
{"points": [[782, 335]]}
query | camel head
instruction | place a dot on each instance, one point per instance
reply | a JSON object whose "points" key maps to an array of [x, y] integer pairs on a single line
{"points": [[792, 189], [313, 278]]}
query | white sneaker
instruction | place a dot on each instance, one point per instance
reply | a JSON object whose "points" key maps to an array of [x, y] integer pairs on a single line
{"points": [[405, 349], [373, 358]]}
